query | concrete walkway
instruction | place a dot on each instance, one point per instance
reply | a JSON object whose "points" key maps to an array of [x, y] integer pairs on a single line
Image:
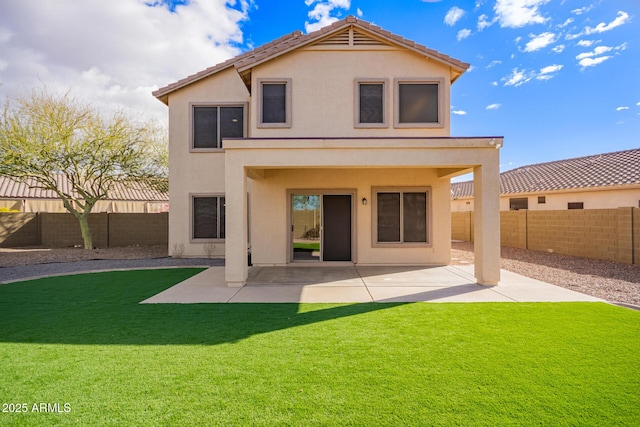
{"points": [[353, 284]]}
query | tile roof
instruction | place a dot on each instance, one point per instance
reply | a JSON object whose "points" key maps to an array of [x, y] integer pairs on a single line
{"points": [[126, 191], [600, 170], [297, 39]]}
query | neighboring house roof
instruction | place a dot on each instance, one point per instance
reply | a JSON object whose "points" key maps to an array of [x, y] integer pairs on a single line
{"points": [[125, 191], [601, 170], [369, 34]]}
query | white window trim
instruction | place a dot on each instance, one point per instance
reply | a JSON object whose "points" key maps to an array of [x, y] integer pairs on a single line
{"points": [[288, 106], [192, 239], [385, 108], [193, 105], [441, 110], [374, 217]]}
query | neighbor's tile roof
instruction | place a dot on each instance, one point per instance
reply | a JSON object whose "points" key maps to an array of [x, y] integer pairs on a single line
{"points": [[601, 170], [126, 191], [298, 39]]}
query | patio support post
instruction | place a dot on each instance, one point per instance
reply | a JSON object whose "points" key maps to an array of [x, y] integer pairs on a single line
{"points": [[486, 182], [236, 237]]}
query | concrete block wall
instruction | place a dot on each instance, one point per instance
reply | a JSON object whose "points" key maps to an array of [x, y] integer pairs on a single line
{"points": [[462, 226], [138, 229], [19, 229], [60, 230], [513, 229], [608, 234]]}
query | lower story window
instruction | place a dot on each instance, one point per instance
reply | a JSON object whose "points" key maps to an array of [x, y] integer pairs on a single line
{"points": [[208, 217], [402, 216]]}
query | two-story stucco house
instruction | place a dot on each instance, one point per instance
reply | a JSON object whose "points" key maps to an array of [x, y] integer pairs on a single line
{"points": [[324, 148]]}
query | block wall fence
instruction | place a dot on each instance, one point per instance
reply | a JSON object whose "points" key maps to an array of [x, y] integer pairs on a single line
{"points": [[608, 234], [59, 230]]}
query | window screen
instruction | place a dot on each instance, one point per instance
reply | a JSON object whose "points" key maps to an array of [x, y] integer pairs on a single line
{"points": [[274, 97], [231, 122], [205, 127], [402, 217], [371, 103], [212, 124], [575, 205], [388, 217], [517, 204], [414, 215], [208, 217], [418, 102]]}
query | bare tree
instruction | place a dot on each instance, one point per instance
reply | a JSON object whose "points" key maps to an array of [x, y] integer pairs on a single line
{"points": [[45, 137]]}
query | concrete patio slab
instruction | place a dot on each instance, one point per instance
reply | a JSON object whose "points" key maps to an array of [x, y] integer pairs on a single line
{"points": [[354, 284], [525, 289], [458, 293]]}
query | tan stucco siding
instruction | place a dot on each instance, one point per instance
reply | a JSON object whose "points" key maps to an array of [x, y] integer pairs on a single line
{"points": [[323, 90], [200, 173], [270, 224]]}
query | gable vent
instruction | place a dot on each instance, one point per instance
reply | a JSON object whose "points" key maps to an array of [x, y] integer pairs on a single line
{"points": [[341, 39], [360, 39]]}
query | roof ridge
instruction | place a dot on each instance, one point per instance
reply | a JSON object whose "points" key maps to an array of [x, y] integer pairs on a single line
{"points": [[573, 159], [277, 46]]}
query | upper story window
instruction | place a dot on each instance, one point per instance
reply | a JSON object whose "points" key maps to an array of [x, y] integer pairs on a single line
{"points": [[418, 103], [274, 101], [371, 103], [212, 123]]}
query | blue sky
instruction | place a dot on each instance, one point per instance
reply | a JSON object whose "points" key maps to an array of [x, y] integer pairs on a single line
{"points": [[556, 78]]}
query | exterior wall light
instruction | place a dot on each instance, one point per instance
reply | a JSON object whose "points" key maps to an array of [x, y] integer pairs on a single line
{"points": [[364, 201]]}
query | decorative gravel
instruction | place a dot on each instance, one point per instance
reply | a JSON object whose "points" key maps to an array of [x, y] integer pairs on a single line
{"points": [[18, 264], [611, 281]]}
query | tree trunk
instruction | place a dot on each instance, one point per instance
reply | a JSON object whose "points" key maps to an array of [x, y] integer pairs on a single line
{"points": [[86, 231]]}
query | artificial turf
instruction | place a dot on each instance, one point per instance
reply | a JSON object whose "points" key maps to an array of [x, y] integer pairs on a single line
{"points": [[84, 341]]}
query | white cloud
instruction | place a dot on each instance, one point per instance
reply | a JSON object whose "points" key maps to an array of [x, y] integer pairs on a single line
{"points": [[566, 23], [459, 112], [321, 15], [494, 83], [593, 58], [519, 13], [638, 104], [359, 12], [591, 62], [516, 78], [551, 69], [453, 15], [115, 52], [582, 10], [539, 42], [483, 22], [519, 77], [622, 108], [493, 106], [586, 43], [621, 19], [596, 52], [559, 49], [493, 64], [463, 34]]}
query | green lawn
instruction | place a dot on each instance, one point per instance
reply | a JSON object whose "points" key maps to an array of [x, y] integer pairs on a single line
{"points": [[85, 341], [309, 246]]}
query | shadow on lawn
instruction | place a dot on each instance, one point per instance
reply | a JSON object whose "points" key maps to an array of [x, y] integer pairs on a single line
{"points": [[103, 309]]}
